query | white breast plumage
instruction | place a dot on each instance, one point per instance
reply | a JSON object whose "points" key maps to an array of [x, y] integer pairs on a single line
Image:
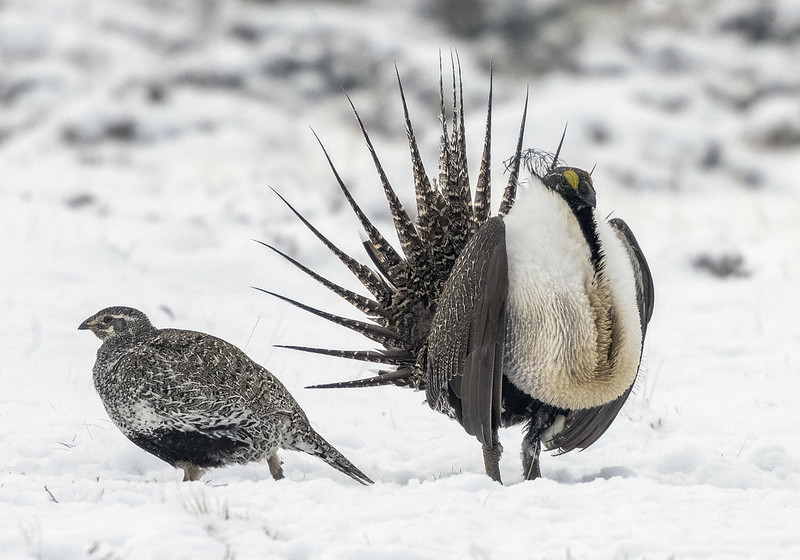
{"points": [[559, 309]]}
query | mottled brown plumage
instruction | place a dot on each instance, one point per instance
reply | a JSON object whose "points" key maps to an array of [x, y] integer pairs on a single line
{"points": [[196, 401]]}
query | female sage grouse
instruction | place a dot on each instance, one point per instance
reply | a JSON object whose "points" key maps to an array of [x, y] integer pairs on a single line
{"points": [[536, 315], [196, 401]]}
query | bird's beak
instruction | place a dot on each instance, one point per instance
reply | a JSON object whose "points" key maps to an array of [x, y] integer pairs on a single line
{"points": [[84, 326]]}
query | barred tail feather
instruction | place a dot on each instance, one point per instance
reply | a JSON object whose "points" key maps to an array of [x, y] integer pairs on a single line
{"points": [[409, 240], [510, 194], [382, 335], [554, 163], [378, 259], [483, 188], [372, 356], [367, 306], [453, 167], [406, 283], [387, 256], [400, 377], [464, 198], [428, 216], [365, 275]]}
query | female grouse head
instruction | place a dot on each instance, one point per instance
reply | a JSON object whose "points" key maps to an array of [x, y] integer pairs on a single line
{"points": [[113, 322]]}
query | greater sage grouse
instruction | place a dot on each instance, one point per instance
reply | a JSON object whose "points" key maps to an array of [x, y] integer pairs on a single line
{"points": [[196, 401], [537, 315]]}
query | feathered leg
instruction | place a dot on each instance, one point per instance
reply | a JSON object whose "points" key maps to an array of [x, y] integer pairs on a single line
{"points": [[191, 472], [531, 449], [541, 420], [274, 463]]}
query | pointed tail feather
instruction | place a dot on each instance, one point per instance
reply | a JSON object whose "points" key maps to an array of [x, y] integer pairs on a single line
{"points": [[365, 275], [554, 163], [386, 258], [453, 167], [406, 232], [406, 284], [427, 213], [381, 335], [367, 306], [464, 203], [397, 358], [400, 377], [483, 188], [510, 194], [315, 444], [378, 259]]}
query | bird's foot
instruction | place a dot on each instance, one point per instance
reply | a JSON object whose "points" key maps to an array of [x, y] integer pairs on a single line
{"points": [[530, 468], [530, 459], [191, 472], [275, 468]]}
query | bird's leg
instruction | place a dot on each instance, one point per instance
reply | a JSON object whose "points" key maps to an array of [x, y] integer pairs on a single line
{"points": [[491, 458], [274, 463], [531, 448], [191, 472], [540, 423]]}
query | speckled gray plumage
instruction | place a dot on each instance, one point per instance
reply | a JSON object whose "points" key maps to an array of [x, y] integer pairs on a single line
{"points": [[196, 401]]}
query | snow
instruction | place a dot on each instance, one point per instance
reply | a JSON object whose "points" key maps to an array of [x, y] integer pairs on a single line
{"points": [[138, 142]]}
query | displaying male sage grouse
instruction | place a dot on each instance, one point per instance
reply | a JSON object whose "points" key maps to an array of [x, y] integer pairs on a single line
{"points": [[536, 315], [196, 401]]}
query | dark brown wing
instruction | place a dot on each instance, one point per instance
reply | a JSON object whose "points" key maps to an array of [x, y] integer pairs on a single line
{"points": [[584, 427], [465, 347], [645, 291]]}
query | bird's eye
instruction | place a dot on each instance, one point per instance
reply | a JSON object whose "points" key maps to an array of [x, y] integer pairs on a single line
{"points": [[572, 178], [107, 319]]}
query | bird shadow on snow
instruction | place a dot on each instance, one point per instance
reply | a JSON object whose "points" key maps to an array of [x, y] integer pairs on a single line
{"points": [[565, 476]]}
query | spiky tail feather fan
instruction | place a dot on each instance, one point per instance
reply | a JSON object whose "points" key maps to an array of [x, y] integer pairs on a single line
{"points": [[405, 287]]}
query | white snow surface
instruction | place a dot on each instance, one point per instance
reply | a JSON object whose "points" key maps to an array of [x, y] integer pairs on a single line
{"points": [[139, 140]]}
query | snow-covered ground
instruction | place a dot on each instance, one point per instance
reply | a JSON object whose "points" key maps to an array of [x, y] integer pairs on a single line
{"points": [[138, 142]]}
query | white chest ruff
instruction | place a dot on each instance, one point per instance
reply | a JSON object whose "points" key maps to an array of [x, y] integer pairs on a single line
{"points": [[558, 311]]}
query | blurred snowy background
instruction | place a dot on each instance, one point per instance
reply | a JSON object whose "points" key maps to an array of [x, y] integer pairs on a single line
{"points": [[138, 142]]}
